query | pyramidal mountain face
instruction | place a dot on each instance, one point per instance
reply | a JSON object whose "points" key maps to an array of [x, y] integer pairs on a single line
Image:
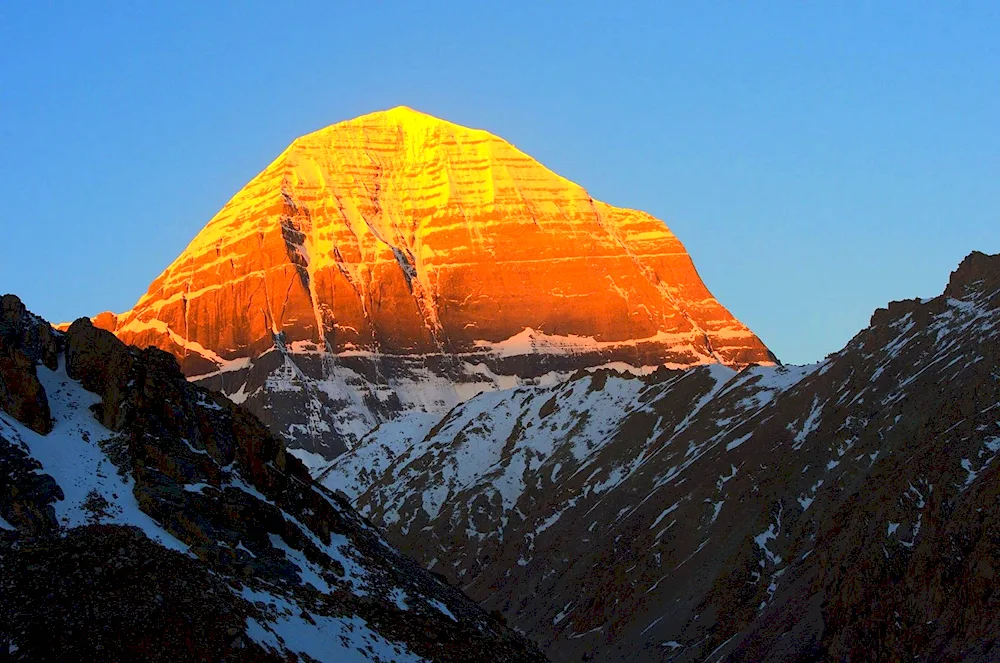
{"points": [[397, 263]]}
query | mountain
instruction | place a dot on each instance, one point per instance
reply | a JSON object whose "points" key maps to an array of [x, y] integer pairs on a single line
{"points": [[847, 510], [399, 263], [145, 518]]}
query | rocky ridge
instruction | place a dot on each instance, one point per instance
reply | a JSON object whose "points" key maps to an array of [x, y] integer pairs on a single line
{"points": [[846, 510], [143, 517], [400, 263]]}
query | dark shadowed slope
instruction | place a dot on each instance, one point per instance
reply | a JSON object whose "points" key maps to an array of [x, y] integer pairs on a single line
{"points": [[846, 510], [145, 518]]}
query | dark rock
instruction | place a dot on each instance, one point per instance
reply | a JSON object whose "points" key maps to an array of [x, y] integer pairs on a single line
{"points": [[104, 366], [847, 511], [32, 335], [25, 341], [26, 492], [21, 394], [107, 593], [978, 271]]}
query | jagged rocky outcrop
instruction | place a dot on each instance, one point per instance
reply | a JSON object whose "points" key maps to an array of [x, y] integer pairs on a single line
{"points": [[153, 519], [846, 510], [397, 263], [24, 343]]}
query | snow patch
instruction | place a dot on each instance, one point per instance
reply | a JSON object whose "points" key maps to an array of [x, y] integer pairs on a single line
{"points": [[71, 455]]}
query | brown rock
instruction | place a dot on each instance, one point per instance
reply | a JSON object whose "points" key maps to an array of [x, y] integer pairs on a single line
{"points": [[24, 340], [21, 394], [103, 365]]}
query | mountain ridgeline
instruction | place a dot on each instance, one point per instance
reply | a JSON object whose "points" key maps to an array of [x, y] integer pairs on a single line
{"points": [[846, 510]]}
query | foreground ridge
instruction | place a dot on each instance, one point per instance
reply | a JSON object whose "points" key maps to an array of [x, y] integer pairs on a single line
{"points": [[145, 518]]}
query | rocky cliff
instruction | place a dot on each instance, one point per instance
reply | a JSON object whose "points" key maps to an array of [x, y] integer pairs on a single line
{"points": [[847, 510], [397, 262], [145, 518]]}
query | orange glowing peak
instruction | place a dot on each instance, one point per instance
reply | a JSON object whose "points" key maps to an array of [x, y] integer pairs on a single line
{"points": [[403, 233]]}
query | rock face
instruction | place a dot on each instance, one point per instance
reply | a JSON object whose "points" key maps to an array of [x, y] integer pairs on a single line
{"points": [[156, 520], [23, 343], [848, 510], [397, 262]]}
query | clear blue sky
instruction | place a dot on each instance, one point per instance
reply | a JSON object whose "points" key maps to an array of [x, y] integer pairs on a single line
{"points": [[817, 159]]}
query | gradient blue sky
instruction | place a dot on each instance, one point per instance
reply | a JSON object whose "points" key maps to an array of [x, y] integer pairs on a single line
{"points": [[817, 159]]}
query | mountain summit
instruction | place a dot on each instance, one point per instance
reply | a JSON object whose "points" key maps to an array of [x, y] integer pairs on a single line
{"points": [[398, 262]]}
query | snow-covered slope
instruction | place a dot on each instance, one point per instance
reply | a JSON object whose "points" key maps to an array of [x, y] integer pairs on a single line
{"points": [[94, 492], [71, 454], [807, 513], [165, 473]]}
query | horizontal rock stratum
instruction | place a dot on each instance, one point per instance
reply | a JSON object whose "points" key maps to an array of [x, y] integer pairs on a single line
{"points": [[398, 261]]}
